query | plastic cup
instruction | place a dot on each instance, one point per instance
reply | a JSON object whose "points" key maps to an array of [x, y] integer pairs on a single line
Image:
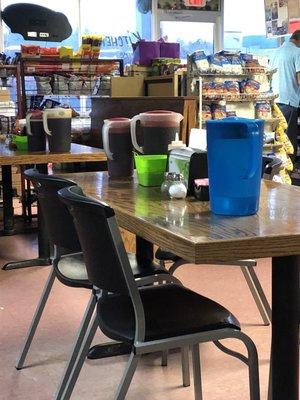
{"points": [[150, 169]]}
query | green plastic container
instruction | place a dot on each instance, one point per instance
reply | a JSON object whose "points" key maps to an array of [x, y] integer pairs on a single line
{"points": [[21, 142], [150, 169]]}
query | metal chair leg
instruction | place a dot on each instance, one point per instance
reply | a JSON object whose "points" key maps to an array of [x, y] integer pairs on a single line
{"points": [[36, 319], [258, 294], [185, 363], [197, 372], [80, 359], [127, 377], [76, 346]]}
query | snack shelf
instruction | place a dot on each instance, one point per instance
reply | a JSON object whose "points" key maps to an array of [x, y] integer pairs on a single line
{"points": [[57, 76], [247, 72], [243, 97]]}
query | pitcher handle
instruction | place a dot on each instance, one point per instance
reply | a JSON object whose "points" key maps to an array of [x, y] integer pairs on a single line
{"points": [[255, 144], [45, 124], [28, 124], [133, 134], [105, 139]]}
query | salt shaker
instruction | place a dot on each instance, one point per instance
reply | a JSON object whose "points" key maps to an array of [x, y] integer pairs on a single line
{"points": [[177, 189], [169, 176]]}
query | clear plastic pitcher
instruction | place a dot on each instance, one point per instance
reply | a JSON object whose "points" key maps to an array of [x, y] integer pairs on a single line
{"points": [[159, 129], [234, 149], [118, 148]]}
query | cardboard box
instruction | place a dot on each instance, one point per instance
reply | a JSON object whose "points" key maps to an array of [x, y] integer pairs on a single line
{"points": [[136, 70], [127, 86], [4, 94]]}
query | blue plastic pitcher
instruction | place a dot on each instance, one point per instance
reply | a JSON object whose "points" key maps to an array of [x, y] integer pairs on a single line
{"points": [[234, 150]]}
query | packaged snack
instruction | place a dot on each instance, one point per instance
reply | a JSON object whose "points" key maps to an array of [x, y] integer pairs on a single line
{"points": [[206, 112], [263, 110], [286, 161], [207, 88], [226, 64], [200, 61], [249, 86], [232, 87], [61, 84], [43, 85], [278, 114], [218, 110], [282, 137], [230, 114], [219, 88], [215, 64], [236, 65]]}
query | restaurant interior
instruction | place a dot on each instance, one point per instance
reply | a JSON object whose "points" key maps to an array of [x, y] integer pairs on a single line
{"points": [[149, 200]]}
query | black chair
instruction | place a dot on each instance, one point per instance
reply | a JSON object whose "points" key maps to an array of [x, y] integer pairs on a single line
{"points": [[153, 318], [270, 167], [68, 265]]}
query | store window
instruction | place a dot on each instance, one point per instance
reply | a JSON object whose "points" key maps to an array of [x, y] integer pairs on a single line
{"points": [[245, 29], [117, 21], [191, 36], [13, 41], [121, 22]]}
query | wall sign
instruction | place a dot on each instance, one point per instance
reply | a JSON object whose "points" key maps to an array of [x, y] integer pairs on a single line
{"points": [[199, 5]]}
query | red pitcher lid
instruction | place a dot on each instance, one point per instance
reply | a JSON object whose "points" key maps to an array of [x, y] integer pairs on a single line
{"points": [[161, 118]]}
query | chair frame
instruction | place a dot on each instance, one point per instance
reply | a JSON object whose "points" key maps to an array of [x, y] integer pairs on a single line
{"points": [[140, 346]]}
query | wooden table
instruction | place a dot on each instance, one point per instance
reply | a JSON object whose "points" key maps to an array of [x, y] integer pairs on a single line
{"points": [[189, 229], [78, 153]]}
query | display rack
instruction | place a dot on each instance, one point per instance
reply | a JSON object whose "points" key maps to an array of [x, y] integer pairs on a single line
{"points": [[65, 78]]}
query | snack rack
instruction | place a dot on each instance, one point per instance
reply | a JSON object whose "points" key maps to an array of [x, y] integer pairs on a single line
{"points": [[244, 105], [65, 78]]}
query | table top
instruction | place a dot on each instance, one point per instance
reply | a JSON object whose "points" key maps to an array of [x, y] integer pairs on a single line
{"points": [[189, 229], [78, 153]]}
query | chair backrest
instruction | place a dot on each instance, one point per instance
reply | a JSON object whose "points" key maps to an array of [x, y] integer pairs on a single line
{"points": [[59, 223], [105, 257]]}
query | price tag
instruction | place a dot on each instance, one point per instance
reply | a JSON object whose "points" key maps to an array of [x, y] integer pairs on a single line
{"points": [[195, 3], [30, 69], [65, 67]]}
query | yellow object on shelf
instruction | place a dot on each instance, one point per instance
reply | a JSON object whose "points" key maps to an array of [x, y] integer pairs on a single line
{"points": [[65, 52]]}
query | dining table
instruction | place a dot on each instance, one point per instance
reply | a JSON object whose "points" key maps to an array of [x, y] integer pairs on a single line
{"points": [[10, 157], [189, 229]]}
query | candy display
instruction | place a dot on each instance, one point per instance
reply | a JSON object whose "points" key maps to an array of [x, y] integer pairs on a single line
{"points": [[165, 66]]}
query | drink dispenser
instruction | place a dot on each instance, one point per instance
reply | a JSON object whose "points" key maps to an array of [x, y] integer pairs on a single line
{"points": [[234, 149], [159, 129], [57, 125], [118, 147]]}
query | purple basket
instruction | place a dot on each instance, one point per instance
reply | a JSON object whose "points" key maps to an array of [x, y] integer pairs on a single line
{"points": [[170, 50], [145, 52]]}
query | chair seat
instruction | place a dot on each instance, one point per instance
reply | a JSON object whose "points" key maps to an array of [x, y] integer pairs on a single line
{"points": [[164, 255], [71, 270], [170, 310]]}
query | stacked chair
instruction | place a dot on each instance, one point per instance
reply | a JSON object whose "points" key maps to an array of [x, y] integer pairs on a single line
{"points": [[150, 318], [69, 268]]}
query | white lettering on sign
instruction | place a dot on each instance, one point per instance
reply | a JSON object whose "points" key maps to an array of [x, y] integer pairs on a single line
{"points": [[32, 34], [44, 34], [195, 3]]}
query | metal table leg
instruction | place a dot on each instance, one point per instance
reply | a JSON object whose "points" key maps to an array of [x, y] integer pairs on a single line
{"points": [[144, 255], [285, 328], [43, 242], [8, 210]]}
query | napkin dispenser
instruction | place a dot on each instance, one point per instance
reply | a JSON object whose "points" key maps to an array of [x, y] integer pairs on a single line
{"points": [[191, 163]]}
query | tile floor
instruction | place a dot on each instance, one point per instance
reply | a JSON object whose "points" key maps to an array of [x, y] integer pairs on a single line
{"points": [[224, 378]]}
